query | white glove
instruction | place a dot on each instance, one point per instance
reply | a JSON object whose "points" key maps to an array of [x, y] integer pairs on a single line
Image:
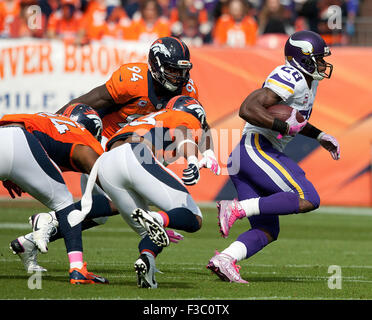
{"points": [[329, 143], [210, 161]]}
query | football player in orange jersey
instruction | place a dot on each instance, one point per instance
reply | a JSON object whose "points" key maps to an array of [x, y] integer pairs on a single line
{"points": [[34, 150], [136, 89], [132, 175]]}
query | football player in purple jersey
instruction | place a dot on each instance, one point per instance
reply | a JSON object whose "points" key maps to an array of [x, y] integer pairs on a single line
{"points": [[268, 182]]}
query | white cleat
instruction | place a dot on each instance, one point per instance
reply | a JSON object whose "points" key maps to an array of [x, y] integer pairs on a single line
{"points": [[145, 270], [43, 225], [154, 228], [26, 250]]}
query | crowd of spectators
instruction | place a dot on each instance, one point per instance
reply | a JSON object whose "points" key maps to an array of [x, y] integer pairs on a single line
{"points": [[234, 23]]}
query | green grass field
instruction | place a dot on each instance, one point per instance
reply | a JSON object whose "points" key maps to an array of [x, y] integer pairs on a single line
{"points": [[294, 267]]}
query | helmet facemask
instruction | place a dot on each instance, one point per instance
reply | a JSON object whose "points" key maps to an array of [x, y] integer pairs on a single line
{"points": [[311, 66], [172, 76]]}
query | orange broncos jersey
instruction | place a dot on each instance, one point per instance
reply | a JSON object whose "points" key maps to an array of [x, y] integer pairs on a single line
{"points": [[58, 135], [159, 129], [235, 34], [131, 88]]}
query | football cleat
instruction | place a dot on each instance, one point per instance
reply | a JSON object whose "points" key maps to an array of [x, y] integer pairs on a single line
{"points": [[145, 270], [43, 226], [225, 268], [82, 276], [228, 212], [26, 250], [154, 228]]}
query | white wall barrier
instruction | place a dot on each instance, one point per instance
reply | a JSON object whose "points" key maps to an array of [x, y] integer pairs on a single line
{"points": [[43, 75]]}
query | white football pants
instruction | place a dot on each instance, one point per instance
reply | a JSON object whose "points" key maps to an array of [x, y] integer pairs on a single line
{"points": [[25, 162], [133, 178]]}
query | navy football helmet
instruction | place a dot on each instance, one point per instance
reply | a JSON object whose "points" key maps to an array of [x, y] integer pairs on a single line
{"points": [[169, 63], [86, 116], [189, 105], [305, 50]]}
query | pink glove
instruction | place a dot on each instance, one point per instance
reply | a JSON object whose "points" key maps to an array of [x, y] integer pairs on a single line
{"points": [[210, 161], [174, 236], [294, 126], [329, 143]]}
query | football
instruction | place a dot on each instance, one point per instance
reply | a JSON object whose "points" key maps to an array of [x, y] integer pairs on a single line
{"points": [[283, 112]]}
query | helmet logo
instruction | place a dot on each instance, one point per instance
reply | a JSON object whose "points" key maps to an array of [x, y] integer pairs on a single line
{"points": [[159, 47], [305, 46], [198, 109], [96, 119]]}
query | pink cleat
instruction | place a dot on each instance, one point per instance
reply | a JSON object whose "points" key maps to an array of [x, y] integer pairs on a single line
{"points": [[228, 212], [225, 268]]}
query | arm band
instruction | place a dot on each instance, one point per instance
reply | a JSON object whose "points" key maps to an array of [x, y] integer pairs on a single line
{"points": [[311, 131], [280, 126]]}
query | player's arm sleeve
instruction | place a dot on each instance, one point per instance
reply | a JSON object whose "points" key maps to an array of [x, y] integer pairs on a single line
{"points": [[116, 87], [282, 84]]}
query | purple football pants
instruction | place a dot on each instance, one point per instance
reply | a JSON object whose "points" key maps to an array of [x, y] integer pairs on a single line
{"points": [[259, 170]]}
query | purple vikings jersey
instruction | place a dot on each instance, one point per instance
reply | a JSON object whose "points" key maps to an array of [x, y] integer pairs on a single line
{"points": [[289, 84]]}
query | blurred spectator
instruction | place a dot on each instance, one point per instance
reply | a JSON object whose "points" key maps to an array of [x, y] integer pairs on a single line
{"points": [[330, 32], [131, 7], [237, 28], [192, 15], [275, 18], [190, 32], [318, 15], [9, 10], [117, 23], [30, 22], [221, 8], [165, 7], [95, 20], [150, 25], [66, 23]]}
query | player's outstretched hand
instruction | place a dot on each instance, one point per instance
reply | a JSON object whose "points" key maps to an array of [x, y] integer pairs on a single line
{"points": [[191, 174], [174, 236], [12, 187], [210, 161], [331, 144]]}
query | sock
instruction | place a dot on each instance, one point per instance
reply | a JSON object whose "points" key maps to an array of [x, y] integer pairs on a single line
{"points": [[181, 219], [71, 235], [250, 206], [236, 250], [147, 246], [280, 203], [100, 207], [85, 225], [76, 259]]}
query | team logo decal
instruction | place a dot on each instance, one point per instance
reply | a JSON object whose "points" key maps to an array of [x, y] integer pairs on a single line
{"points": [[159, 47], [305, 46]]}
